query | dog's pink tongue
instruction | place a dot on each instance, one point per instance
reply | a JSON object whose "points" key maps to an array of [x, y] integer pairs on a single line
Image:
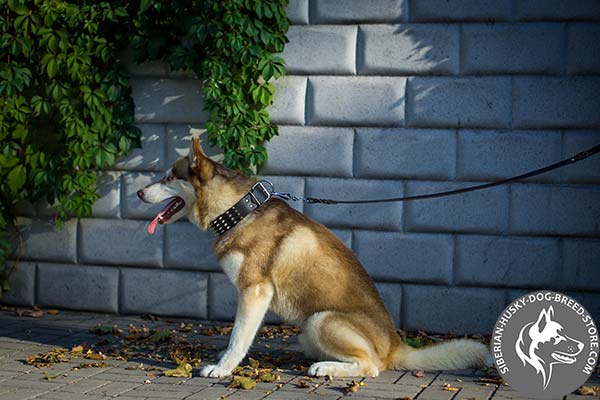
{"points": [[152, 225]]}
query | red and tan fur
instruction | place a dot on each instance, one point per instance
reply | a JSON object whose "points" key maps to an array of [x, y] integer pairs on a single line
{"points": [[281, 260]]}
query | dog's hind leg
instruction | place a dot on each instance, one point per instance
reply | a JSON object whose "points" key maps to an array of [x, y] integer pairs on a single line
{"points": [[332, 337]]}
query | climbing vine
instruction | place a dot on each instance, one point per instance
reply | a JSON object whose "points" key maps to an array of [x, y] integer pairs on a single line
{"points": [[65, 103]]}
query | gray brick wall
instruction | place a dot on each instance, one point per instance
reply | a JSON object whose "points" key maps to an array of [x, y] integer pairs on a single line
{"points": [[383, 98]]}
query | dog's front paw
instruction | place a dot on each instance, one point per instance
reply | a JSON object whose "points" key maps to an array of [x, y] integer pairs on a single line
{"points": [[214, 371]]}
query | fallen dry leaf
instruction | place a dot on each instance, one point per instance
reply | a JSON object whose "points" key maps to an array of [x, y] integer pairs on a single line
{"points": [[588, 391], [352, 387], [77, 349], [183, 370], [44, 360], [419, 374], [242, 382], [106, 330], [450, 388]]}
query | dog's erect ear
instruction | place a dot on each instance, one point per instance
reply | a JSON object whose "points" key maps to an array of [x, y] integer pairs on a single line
{"points": [[199, 161], [544, 318]]}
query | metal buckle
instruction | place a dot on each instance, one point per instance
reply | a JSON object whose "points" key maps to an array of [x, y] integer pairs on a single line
{"points": [[264, 191]]}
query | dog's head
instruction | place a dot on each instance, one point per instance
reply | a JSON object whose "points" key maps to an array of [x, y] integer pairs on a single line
{"points": [[195, 187], [544, 343]]}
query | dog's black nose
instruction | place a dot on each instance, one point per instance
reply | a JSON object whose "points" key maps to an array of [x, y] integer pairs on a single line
{"points": [[140, 194]]}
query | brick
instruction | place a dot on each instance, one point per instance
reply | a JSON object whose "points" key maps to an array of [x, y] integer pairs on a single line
{"points": [[512, 48], [25, 209], [22, 285], [408, 49], [556, 102], [108, 187], [187, 247], [168, 100], [151, 156], [581, 264], [180, 139], [483, 211], [459, 102], [335, 11], [506, 154], [405, 257], [385, 216], [422, 311], [222, 298], [288, 101], [297, 12], [291, 184], [173, 293], [355, 100], [553, 210], [534, 10], [585, 171], [78, 287], [132, 206], [330, 49], [405, 153], [344, 235], [42, 240], [501, 261], [460, 10], [121, 242], [583, 48], [145, 69], [307, 151]]}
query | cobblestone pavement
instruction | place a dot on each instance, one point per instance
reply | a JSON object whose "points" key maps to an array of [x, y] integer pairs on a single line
{"points": [[141, 375]]}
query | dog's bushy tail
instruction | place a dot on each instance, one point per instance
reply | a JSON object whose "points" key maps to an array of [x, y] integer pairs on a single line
{"points": [[453, 354]]}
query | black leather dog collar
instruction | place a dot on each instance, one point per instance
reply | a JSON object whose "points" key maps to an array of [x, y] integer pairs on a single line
{"points": [[257, 196]]}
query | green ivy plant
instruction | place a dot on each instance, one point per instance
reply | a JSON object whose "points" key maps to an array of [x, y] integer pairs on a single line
{"points": [[230, 46], [65, 104]]}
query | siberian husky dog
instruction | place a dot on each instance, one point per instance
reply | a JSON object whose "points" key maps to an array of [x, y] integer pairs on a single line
{"points": [[281, 260]]}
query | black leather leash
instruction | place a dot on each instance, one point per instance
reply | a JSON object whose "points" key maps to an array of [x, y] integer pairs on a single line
{"points": [[263, 190], [571, 160]]}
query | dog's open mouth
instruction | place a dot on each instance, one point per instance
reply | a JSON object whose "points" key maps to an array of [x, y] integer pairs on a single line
{"points": [[563, 358], [175, 205]]}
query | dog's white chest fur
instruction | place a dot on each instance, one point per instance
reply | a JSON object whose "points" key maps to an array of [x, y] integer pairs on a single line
{"points": [[231, 264]]}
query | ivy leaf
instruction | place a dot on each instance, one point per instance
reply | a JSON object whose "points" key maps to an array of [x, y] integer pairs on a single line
{"points": [[144, 5], [16, 178]]}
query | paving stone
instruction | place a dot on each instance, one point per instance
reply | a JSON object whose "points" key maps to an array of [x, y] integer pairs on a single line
{"points": [[168, 100], [22, 285], [581, 264], [332, 11], [386, 216], [461, 10], [411, 380], [405, 257], [533, 10], [555, 102], [288, 101], [501, 261], [78, 287], [421, 307], [42, 240], [585, 171], [408, 49], [188, 247], [392, 297], [507, 154], [151, 156], [583, 48], [485, 211], [83, 386], [405, 153], [361, 100], [297, 12], [330, 49], [211, 393], [540, 209], [459, 102], [307, 151], [121, 242], [108, 187], [173, 293], [436, 393], [512, 48]]}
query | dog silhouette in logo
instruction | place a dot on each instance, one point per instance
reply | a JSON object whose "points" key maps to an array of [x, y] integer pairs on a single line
{"points": [[543, 343]]}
